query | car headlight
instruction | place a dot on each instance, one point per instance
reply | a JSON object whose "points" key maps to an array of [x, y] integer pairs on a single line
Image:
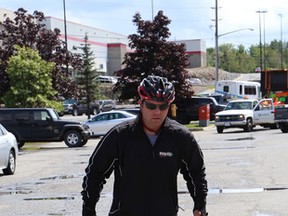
{"points": [[241, 117], [85, 126], [216, 118]]}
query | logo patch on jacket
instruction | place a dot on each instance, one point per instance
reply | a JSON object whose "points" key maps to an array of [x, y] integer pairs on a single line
{"points": [[165, 154]]}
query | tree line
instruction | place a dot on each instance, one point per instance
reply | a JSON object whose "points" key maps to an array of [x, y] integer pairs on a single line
{"points": [[241, 60]]}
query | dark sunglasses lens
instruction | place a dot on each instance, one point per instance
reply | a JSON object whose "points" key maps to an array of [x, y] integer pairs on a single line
{"points": [[154, 106], [163, 106], [150, 106]]}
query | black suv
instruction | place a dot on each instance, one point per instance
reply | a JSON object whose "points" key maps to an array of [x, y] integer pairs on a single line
{"points": [[42, 124], [80, 107], [188, 108]]}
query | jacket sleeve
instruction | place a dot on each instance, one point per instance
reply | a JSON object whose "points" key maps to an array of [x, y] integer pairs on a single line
{"points": [[193, 171], [100, 167]]}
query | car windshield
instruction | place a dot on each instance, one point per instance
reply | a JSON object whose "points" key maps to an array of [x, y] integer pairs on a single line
{"points": [[54, 115], [239, 105], [69, 101]]}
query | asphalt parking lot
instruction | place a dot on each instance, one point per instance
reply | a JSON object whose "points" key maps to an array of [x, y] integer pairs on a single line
{"points": [[246, 172]]}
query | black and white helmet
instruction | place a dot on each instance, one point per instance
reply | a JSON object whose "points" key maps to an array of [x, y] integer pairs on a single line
{"points": [[156, 88]]}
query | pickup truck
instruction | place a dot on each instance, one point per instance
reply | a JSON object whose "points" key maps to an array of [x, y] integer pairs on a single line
{"points": [[188, 108], [246, 114], [281, 117]]}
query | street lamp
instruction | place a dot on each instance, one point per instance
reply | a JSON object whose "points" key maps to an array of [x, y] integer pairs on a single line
{"points": [[281, 48], [250, 29], [217, 50], [65, 32], [216, 40], [152, 8], [260, 43]]}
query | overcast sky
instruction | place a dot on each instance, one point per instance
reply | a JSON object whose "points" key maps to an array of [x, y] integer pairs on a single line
{"points": [[190, 19]]}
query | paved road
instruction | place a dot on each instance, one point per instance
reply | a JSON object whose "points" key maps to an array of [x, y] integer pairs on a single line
{"points": [[246, 172]]}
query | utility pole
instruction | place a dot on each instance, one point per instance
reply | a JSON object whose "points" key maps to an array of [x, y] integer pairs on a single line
{"points": [[65, 32], [281, 48], [152, 8], [260, 43], [216, 42], [264, 38]]}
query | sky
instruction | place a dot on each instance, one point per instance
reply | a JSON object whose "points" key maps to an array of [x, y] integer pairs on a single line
{"points": [[238, 20]]}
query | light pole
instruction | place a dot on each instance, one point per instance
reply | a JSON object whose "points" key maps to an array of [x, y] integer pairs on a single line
{"points": [[216, 42], [217, 38], [65, 32], [217, 50], [152, 8], [264, 38], [260, 42], [281, 48]]}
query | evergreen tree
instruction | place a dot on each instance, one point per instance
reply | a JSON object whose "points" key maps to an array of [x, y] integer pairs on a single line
{"points": [[86, 77]]}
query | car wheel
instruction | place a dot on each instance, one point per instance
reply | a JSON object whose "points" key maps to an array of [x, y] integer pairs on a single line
{"points": [[249, 126], [84, 142], [20, 144], [220, 129], [11, 166], [284, 129], [73, 139], [75, 112]]}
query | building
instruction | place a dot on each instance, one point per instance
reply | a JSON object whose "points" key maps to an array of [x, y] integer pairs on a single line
{"points": [[196, 50], [109, 48]]}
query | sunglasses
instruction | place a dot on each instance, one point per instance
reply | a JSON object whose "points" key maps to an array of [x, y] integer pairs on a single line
{"points": [[152, 106]]}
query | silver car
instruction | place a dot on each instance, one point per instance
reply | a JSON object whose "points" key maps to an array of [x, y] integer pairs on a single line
{"points": [[103, 122], [8, 151]]}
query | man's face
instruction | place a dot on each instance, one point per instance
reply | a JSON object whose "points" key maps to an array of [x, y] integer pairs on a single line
{"points": [[154, 113]]}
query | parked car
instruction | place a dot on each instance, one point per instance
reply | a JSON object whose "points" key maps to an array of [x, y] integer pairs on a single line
{"points": [[188, 108], [42, 124], [106, 79], [107, 105], [8, 151], [80, 108], [103, 122], [68, 105], [246, 114], [134, 111]]}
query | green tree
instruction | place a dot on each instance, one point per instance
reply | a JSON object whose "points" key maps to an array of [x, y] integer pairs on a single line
{"points": [[152, 54], [28, 30], [86, 77], [30, 80]]}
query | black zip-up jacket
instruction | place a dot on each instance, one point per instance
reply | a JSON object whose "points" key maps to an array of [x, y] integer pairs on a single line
{"points": [[145, 175]]}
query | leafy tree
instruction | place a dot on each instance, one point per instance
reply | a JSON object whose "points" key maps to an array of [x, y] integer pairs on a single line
{"points": [[152, 54], [28, 30], [86, 77], [30, 80]]}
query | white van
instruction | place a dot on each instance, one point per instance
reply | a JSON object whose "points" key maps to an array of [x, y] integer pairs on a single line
{"points": [[238, 89]]}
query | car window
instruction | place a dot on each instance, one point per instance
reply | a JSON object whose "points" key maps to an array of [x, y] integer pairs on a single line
{"points": [[102, 117], [1, 132], [22, 116], [5, 116], [40, 115]]}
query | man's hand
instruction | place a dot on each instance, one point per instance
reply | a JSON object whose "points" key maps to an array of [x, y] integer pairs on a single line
{"points": [[198, 213]]}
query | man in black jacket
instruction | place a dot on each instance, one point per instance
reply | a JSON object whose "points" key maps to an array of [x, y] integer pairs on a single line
{"points": [[146, 156]]}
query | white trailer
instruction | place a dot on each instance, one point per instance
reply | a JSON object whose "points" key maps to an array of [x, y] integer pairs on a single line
{"points": [[238, 89]]}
